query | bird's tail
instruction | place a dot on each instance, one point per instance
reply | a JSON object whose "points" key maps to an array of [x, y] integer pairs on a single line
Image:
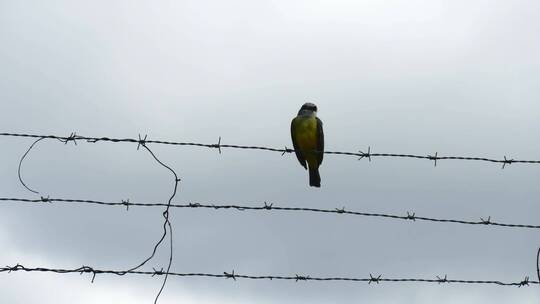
{"points": [[314, 177]]}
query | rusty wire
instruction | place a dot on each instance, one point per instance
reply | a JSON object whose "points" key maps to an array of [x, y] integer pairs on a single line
{"points": [[232, 275], [265, 207], [360, 154]]}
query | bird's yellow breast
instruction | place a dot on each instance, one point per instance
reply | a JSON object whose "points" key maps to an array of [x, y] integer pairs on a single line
{"points": [[305, 129]]}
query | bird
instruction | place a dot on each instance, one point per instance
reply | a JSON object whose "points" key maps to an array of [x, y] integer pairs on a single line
{"points": [[308, 141]]}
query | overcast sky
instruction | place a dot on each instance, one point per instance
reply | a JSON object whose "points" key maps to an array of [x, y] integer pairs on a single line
{"points": [[453, 77]]}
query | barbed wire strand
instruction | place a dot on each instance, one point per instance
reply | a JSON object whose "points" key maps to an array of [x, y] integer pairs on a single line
{"points": [[142, 142], [368, 155], [232, 275], [410, 216]]}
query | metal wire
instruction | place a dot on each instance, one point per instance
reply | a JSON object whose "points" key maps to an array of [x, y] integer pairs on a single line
{"points": [[368, 155], [410, 216], [538, 264], [166, 224], [232, 275], [167, 229]]}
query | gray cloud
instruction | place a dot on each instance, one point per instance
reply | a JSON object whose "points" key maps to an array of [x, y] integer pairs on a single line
{"points": [[417, 77]]}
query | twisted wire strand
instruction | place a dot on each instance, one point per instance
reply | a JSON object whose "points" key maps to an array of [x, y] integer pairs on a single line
{"points": [[219, 146], [410, 216], [232, 275]]}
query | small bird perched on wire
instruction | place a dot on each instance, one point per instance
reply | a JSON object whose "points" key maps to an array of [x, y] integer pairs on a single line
{"points": [[308, 141]]}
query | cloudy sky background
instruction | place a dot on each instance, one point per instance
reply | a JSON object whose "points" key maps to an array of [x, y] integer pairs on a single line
{"points": [[453, 77]]}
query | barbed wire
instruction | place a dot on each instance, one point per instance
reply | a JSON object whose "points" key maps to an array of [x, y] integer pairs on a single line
{"points": [[410, 216], [167, 227], [297, 278], [360, 154]]}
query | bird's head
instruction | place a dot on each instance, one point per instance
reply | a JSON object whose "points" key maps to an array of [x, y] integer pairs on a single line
{"points": [[308, 109]]}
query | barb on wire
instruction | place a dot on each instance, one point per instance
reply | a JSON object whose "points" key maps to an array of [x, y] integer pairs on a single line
{"points": [[218, 145], [341, 211], [506, 161], [126, 203], [442, 280], [232, 275], [374, 279], [301, 278], [368, 154], [410, 216], [525, 282], [72, 137], [434, 158], [157, 272], [287, 150], [84, 269], [141, 141]]}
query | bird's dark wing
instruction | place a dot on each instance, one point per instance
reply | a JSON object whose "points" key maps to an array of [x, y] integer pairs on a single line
{"points": [[299, 155], [320, 140]]}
